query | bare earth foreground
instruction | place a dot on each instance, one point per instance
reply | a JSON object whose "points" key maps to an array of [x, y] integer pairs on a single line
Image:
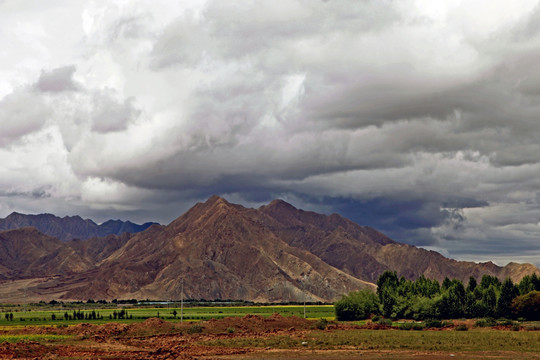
{"points": [[255, 337]]}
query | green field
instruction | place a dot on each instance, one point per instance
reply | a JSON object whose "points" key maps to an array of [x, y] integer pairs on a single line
{"points": [[446, 341], [44, 317]]}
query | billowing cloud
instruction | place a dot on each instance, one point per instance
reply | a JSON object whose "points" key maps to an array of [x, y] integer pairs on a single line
{"points": [[21, 113], [57, 80], [419, 118]]}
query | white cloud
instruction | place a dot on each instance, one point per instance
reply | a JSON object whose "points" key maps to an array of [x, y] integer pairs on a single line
{"points": [[57, 80], [21, 113]]}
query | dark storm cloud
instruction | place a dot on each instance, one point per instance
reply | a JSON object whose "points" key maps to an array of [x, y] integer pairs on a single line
{"points": [[36, 193], [416, 118]]}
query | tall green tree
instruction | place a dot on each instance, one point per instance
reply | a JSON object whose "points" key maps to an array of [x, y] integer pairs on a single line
{"points": [[508, 292], [489, 300], [472, 284]]}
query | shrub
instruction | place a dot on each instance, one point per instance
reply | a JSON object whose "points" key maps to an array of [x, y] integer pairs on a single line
{"points": [[321, 324], [406, 326], [387, 322], [231, 330], [486, 322], [461, 327], [527, 306], [357, 305], [195, 329], [434, 323]]}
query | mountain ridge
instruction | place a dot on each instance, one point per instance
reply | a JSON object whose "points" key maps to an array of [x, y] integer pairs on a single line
{"points": [[220, 250], [70, 227]]}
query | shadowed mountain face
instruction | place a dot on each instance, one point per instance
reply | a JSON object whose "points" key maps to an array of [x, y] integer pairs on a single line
{"points": [[224, 251], [70, 227]]}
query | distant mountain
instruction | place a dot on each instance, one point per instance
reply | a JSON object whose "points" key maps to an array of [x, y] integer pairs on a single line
{"points": [[366, 253], [219, 250], [70, 227], [28, 253]]}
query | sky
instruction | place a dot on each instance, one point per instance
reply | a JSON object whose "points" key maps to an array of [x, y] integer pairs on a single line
{"points": [[418, 118]]}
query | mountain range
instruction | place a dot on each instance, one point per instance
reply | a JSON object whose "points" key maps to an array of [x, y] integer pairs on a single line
{"points": [[219, 250], [70, 227]]}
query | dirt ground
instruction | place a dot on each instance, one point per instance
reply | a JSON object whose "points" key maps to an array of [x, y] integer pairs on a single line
{"points": [[158, 339]]}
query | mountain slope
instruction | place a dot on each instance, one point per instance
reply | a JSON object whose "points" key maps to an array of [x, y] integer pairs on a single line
{"points": [[220, 253], [365, 253], [28, 253], [70, 227], [222, 250]]}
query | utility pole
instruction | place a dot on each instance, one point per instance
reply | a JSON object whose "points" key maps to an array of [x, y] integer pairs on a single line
{"points": [[25, 297], [304, 292], [182, 302]]}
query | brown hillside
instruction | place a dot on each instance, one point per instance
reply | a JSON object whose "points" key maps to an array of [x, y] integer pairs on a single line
{"points": [[220, 253], [220, 250]]}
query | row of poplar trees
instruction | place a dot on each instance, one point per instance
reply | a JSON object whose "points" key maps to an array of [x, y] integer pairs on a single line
{"points": [[428, 299]]}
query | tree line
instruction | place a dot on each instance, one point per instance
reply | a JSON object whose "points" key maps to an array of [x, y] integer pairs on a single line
{"points": [[421, 299]]}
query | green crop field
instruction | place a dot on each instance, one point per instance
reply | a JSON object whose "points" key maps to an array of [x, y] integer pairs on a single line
{"points": [[45, 317], [446, 341]]}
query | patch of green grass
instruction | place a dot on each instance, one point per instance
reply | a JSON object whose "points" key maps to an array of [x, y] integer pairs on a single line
{"points": [[451, 341], [473, 340], [33, 337], [274, 342]]}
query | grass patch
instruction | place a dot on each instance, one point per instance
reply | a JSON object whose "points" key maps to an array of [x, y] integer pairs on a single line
{"points": [[33, 337], [274, 342], [472, 340]]}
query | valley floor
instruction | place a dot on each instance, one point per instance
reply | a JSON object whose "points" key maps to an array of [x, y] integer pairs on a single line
{"points": [[255, 337]]}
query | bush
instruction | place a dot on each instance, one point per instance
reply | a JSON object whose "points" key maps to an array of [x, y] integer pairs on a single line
{"points": [[461, 327], [434, 323], [527, 306], [486, 322], [387, 322], [406, 326], [195, 329], [357, 305], [321, 324], [231, 330], [411, 326]]}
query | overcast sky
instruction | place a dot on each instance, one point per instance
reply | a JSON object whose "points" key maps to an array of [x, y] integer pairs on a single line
{"points": [[418, 118]]}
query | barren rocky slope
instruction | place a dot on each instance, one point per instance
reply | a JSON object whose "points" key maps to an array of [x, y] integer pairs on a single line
{"points": [[222, 250], [365, 253], [219, 253]]}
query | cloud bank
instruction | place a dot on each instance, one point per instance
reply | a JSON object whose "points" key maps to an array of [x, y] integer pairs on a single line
{"points": [[419, 118]]}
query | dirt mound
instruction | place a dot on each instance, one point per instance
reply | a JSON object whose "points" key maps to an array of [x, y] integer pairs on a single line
{"points": [[256, 324], [23, 349], [151, 326]]}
